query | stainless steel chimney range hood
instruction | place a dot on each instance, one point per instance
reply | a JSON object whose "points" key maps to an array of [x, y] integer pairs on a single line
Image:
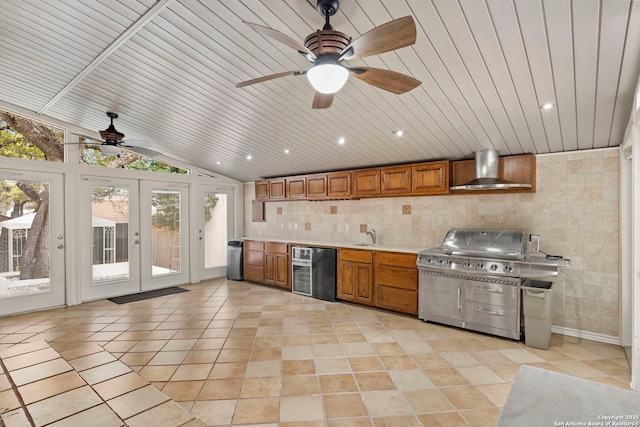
{"points": [[487, 162]]}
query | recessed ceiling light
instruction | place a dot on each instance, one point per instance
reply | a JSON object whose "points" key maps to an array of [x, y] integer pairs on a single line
{"points": [[286, 151], [249, 157], [399, 132], [217, 163], [341, 140], [547, 106]]}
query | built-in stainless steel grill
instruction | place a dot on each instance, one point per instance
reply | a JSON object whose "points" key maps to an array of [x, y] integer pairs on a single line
{"points": [[473, 279]]}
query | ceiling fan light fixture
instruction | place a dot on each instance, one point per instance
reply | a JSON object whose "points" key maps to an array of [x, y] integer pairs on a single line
{"points": [[110, 150], [328, 77]]}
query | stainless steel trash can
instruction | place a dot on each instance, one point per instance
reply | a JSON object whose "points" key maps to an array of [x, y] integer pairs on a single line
{"points": [[234, 260], [536, 304]]}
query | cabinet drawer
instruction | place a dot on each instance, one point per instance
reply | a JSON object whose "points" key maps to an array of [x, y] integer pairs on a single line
{"points": [[490, 315], [355, 255], [250, 245], [397, 277], [491, 293], [402, 300], [254, 273], [272, 247], [396, 259]]}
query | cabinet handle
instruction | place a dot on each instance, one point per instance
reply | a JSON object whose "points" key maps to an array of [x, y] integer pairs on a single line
{"points": [[495, 313], [459, 299], [489, 289]]}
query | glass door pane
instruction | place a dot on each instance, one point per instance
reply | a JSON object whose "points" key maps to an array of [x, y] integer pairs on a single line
{"points": [[31, 243], [164, 234], [214, 231], [110, 242]]}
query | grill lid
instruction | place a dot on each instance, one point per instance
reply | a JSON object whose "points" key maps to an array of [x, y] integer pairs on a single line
{"points": [[500, 243]]}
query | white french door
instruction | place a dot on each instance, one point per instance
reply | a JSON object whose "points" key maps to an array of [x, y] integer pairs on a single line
{"points": [[134, 238], [32, 242], [164, 232], [110, 237], [215, 227]]}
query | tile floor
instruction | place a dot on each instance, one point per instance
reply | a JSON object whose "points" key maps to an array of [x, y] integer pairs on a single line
{"points": [[234, 353]]}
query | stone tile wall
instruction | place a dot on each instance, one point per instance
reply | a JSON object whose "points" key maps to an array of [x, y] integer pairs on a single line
{"points": [[575, 211]]}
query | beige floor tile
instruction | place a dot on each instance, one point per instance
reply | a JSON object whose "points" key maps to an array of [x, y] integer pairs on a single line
{"points": [[228, 370], [120, 385], [430, 361], [344, 405], [466, 397], [137, 359], [444, 377], [338, 383], [427, 401], [497, 393], [183, 391], [91, 361], [296, 352], [300, 385], [104, 372], [148, 346], [187, 372], [208, 344], [460, 359], [477, 375], [267, 368], [158, 373], [261, 387], [397, 421], [368, 381], [8, 401], [334, 365], [23, 349], [33, 358], [40, 371], [410, 379], [482, 417], [301, 409], [401, 361], [98, 416], [63, 405], [137, 401], [298, 367], [442, 419], [365, 363], [49, 387], [255, 411], [222, 389], [214, 412], [168, 414], [521, 356], [383, 403], [168, 357], [577, 369]]}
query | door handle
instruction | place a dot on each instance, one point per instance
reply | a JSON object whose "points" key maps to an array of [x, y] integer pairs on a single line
{"points": [[136, 241], [489, 289], [493, 312], [60, 246]]}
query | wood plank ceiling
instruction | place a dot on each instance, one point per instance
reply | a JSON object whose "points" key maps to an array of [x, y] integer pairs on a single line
{"points": [[169, 68]]}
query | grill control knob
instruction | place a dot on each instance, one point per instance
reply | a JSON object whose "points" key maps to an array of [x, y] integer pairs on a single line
{"points": [[467, 264], [508, 269], [440, 262], [493, 267], [448, 263], [480, 266]]}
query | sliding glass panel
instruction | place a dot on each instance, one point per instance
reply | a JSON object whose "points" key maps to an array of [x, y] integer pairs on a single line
{"points": [[165, 232]]}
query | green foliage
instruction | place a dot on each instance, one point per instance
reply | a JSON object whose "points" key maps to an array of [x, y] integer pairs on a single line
{"points": [[90, 155], [166, 210], [13, 144], [210, 201]]}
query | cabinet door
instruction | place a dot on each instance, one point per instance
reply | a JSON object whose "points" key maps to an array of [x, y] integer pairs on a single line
{"points": [[296, 187], [395, 180], [277, 189], [366, 182], [339, 185], [430, 178], [270, 268], [281, 277], [364, 283], [347, 278], [317, 186], [262, 190], [441, 299]]}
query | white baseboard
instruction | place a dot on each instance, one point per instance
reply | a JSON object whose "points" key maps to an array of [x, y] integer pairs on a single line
{"points": [[593, 336]]}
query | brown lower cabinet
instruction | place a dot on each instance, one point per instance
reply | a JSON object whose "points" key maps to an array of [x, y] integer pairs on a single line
{"points": [[396, 282], [355, 276], [267, 262]]}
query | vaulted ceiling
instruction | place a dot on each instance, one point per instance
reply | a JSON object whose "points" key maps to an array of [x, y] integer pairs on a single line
{"points": [[169, 69]]}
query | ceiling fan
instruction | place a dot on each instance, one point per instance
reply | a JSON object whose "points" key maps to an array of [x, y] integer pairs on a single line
{"points": [[327, 48], [113, 141]]}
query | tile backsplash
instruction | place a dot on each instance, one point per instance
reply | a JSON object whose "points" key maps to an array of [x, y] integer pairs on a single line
{"points": [[575, 211]]}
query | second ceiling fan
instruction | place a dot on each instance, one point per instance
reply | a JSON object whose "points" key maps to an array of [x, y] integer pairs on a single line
{"points": [[327, 48]]}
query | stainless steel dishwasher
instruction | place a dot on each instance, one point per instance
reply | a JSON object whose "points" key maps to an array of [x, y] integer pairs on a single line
{"points": [[313, 272]]}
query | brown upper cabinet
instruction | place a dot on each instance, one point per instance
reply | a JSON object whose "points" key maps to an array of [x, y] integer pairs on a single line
{"points": [[366, 182], [262, 190], [430, 178], [317, 186], [520, 169], [296, 187], [277, 189], [395, 180], [339, 185]]}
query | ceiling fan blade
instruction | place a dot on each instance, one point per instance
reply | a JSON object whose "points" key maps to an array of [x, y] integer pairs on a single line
{"points": [[391, 81], [322, 100], [135, 143], [393, 35], [271, 77], [89, 140], [142, 151], [282, 38]]}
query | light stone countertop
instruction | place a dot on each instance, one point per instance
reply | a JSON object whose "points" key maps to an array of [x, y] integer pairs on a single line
{"points": [[327, 244]]}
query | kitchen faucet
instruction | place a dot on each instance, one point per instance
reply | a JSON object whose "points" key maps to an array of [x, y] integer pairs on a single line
{"points": [[372, 233]]}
